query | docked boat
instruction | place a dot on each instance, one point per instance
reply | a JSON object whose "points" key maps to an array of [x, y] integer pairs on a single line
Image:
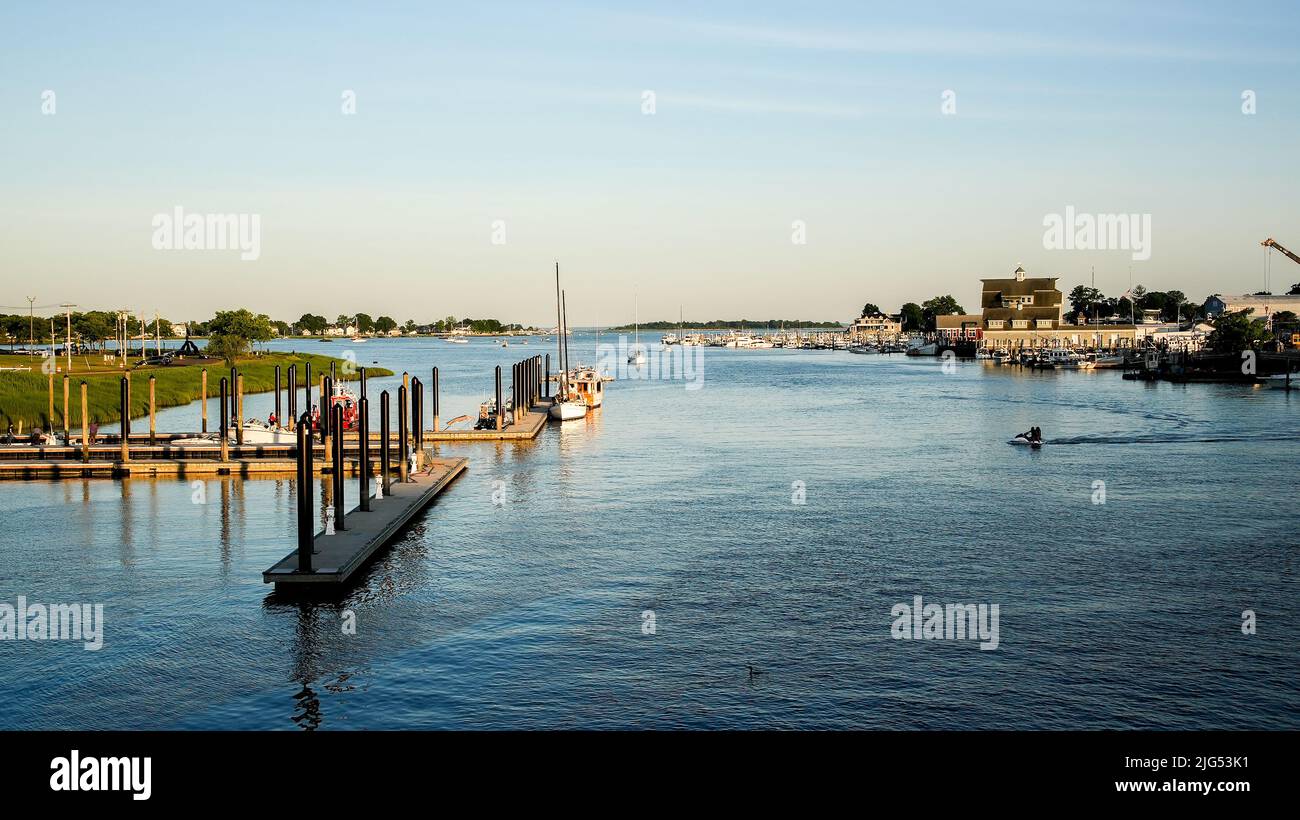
{"points": [[567, 405], [863, 349], [920, 347]]}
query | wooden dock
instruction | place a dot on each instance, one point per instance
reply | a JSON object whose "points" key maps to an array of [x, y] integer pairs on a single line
{"points": [[528, 426], [336, 558]]}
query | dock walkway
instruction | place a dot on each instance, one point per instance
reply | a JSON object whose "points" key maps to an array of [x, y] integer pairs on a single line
{"points": [[337, 557]]}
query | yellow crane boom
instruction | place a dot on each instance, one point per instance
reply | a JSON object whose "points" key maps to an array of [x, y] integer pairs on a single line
{"points": [[1270, 243]]}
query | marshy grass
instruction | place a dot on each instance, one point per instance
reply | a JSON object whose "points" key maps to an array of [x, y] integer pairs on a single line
{"points": [[24, 397]]}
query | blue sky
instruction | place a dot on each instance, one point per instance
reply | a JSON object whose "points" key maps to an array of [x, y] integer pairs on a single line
{"points": [[766, 113]]}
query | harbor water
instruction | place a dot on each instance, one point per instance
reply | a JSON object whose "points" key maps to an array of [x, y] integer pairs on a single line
{"points": [[628, 570]]}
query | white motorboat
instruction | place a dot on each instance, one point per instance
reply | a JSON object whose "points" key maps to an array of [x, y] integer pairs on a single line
{"points": [[456, 340], [1024, 442], [568, 410]]}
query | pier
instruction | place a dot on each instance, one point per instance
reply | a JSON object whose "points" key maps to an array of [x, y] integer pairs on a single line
{"points": [[226, 450], [336, 558]]}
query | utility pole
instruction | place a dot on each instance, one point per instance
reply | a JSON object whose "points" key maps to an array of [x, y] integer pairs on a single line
{"points": [[68, 345]]}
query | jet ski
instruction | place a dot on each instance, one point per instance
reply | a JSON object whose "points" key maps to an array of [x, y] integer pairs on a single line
{"points": [[1024, 442]]}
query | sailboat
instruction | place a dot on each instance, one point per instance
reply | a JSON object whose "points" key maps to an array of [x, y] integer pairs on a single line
{"points": [[564, 408], [637, 356], [356, 337]]}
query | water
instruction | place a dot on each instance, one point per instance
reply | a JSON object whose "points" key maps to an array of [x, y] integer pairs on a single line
{"points": [[528, 614]]}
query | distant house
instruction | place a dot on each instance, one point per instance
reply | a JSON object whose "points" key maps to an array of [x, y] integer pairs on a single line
{"points": [[877, 324], [1264, 305]]}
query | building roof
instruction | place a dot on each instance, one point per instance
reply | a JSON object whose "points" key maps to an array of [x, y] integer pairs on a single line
{"points": [[1021, 287]]}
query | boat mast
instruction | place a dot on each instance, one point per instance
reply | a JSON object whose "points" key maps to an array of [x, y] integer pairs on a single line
{"points": [[559, 326], [564, 334]]}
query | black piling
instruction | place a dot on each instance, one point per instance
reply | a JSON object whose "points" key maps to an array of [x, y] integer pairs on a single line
{"points": [[434, 395], [363, 428], [277, 396], [501, 412], [385, 463], [326, 416], [293, 394], [336, 424], [306, 498], [361, 376], [402, 441], [547, 381], [306, 386]]}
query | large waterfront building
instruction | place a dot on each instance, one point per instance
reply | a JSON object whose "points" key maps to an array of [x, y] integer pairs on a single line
{"points": [[874, 326], [1025, 311]]}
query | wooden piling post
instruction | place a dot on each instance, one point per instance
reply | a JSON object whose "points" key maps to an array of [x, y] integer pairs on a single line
{"points": [[153, 411], [326, 417], [126, 414], [363, 428], [224, 429], [203, 397], [278, 422], [403, 443], [67, 422], [85, 425], [434, 388], [417, 420], [547, 382], [234, 380], [306, 389], [306, 498]]}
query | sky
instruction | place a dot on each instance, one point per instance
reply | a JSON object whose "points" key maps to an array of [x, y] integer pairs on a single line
{"points": [[491, 140]]}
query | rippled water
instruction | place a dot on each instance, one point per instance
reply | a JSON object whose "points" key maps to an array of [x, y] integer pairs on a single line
{"points": [[529, 614]]}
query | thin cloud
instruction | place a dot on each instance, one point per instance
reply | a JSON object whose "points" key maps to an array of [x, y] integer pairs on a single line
{"points": [[953, 43]]}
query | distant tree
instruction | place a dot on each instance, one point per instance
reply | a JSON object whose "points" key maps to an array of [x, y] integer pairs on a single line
{"points": [[282, 328], [312, 323], [409, 326], [1083, 298], [1295, 290], [869, 309], [384, 324], [1236, 331], [232, 333], [450, 322], [1175, 302], [364, 323], [1139, 293], [939, 306], [913, 316]]}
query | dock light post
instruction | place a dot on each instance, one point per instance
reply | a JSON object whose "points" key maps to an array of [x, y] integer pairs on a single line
{"points": [[434, 389], [126, 415], [225, 416], [277, 397], [384, 463], [403, 443], [337, 426], [547, 382], [203, 397], [306, 496], [363, 427], [500, 410]]}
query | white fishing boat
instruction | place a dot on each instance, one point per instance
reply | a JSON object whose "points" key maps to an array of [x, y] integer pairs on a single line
{"points": [[456, 340]]}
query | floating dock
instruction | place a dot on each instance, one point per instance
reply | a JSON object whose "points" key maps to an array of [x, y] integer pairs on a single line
{"points": [[336, 558]]}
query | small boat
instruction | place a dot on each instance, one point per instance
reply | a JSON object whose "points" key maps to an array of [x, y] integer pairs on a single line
{"points": [[568, 410], [863, 349], [1280, 381], [456, 340], [923, 349], [637, 356], [567, 405], [1022, 442], [487, 415], [505, 343]]}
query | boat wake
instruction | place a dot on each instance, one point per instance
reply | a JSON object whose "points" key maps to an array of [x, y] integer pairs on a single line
{"points": [[1173, 438]]}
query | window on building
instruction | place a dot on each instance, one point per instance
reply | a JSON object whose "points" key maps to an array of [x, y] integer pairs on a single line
{"points": [[1020, 324]]}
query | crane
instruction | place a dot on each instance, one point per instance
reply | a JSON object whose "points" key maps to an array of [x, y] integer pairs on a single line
{"points": [[1270, 243]]}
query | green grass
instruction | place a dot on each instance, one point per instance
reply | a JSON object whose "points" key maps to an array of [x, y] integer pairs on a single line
{"points": [[24, 397]]}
